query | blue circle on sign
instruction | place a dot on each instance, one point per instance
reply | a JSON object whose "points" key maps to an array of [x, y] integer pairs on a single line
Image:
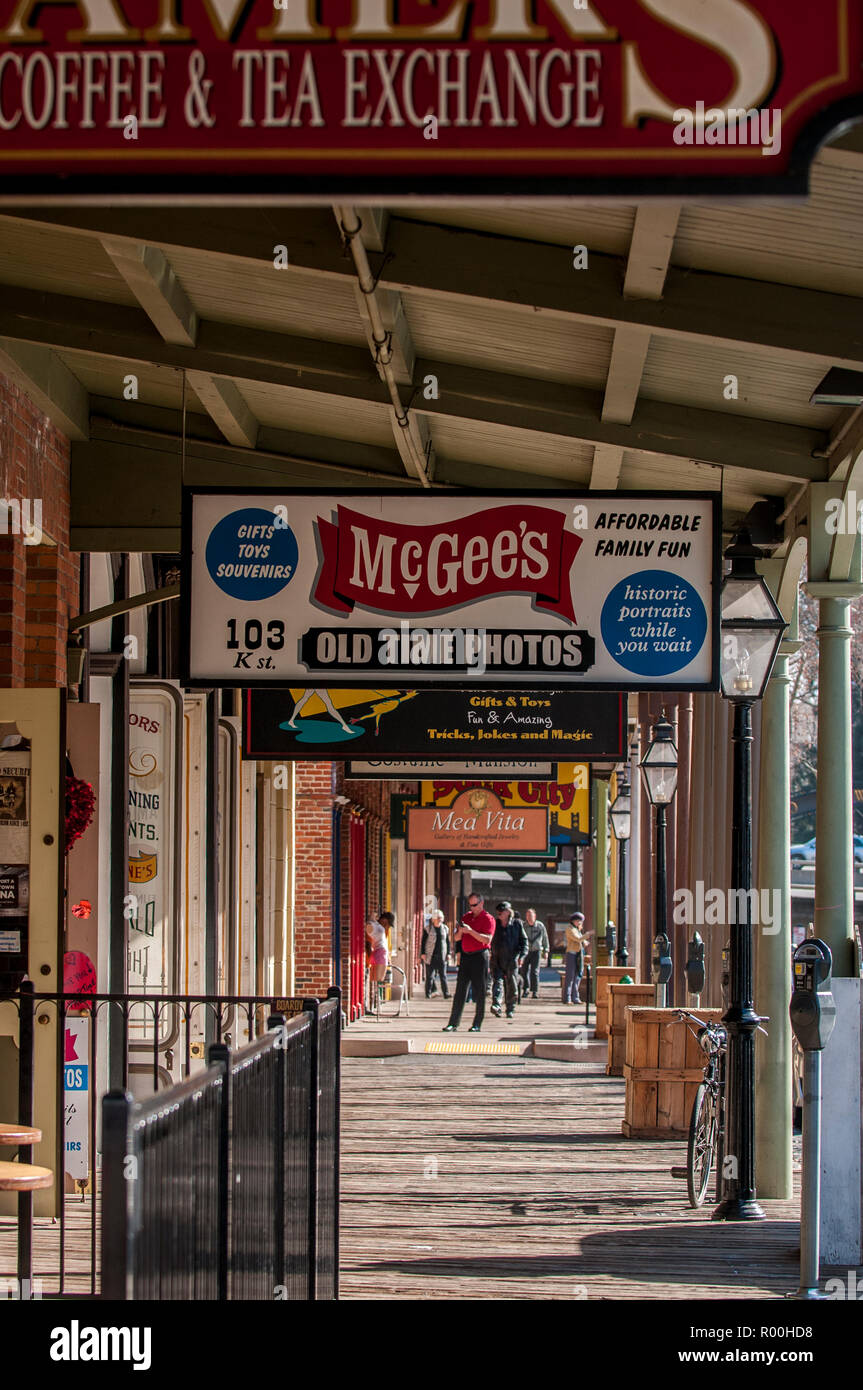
{"points": [[653, 623], [250, 555]]}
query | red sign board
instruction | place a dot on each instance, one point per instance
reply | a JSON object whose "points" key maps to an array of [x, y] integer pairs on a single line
{"points": [[402, 96], [478, 822]]}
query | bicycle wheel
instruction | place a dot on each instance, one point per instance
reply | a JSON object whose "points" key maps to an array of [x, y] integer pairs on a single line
{"points": [[701, 1143]]}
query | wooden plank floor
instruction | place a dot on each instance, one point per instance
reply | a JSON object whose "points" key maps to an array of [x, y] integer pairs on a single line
{"points": [[490, 1177], [46, 1249], [546, 1018]]}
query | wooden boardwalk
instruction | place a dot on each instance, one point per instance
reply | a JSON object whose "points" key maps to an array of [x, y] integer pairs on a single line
{"points": [[468, 1177], [479, 1177], [46, 1250]]}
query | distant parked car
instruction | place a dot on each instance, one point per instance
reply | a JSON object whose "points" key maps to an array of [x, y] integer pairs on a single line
{"points": [[803, 853]]}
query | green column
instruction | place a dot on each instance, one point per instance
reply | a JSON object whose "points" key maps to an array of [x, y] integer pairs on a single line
{"points": [[834, 862], [600, 871], [773, 1054]]}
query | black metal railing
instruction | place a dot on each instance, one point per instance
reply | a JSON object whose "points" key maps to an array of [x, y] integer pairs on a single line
{"points": [[164, 1190], [269, 1068], [326, 1156], [226, 1186]]}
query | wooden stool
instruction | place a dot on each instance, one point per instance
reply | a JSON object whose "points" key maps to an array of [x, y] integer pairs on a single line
{"points": [[24, 1177], [15, 1135]]}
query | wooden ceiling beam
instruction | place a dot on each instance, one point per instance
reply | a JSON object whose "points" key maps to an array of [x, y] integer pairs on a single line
{"points": [[50, 385], [151, 278], [461, 264], [607, 463], [222, 400], [468, 393]]}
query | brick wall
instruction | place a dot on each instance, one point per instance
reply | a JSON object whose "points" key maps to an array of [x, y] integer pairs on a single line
{"points": [[38, 583], [313, 896]]}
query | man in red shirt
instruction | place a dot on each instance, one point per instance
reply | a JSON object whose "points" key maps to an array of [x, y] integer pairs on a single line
{"points": [[475, 932]]}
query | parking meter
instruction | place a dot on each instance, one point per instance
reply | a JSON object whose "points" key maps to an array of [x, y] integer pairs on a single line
{"points": [[695, 965], [661, 966], [813, 1011], [813, 1016], [610, 935]]}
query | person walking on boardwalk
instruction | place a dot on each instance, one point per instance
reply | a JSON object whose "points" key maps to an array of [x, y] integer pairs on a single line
{"points": [[435, 952], [576, 945], [509, 949], [537, 945], [475, 932]]}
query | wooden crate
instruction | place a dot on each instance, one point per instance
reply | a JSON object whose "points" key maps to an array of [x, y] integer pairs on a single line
{"points": [[607, 975], [621, 997], [662, 1068]]}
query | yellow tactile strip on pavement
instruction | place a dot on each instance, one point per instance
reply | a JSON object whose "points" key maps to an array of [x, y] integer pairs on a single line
{"points": [[486, 1048]]}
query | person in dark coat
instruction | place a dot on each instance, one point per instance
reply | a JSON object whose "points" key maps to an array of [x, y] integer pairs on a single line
{"points": [[508, 949], [435, 952]]}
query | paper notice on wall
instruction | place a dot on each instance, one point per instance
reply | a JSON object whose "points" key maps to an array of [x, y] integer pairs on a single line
{"points": [[14, 909], [15, 807]]}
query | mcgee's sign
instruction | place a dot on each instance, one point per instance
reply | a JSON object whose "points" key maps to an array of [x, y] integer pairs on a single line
{"points": [[327, 590], [487, 95]]}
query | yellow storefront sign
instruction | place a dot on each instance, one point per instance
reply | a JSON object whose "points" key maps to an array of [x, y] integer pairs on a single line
{"points": [[567, 799], [143, 869]]}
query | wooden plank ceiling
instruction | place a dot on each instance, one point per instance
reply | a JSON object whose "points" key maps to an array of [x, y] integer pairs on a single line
{"points": [[616, 374]]}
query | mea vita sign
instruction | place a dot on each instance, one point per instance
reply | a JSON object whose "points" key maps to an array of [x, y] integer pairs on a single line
{"points": [[473, 95], [478, 821], [334, 590]]}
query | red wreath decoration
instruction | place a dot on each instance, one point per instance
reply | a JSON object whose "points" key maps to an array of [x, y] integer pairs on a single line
{"points": [[80, 806]]}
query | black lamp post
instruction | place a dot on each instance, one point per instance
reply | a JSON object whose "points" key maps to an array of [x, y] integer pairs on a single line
{"points": [[659, 771], [752, 629], [621, 823]]}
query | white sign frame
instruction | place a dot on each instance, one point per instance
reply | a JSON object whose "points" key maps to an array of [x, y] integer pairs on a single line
{"points": [[334, 589], [412, 770]]}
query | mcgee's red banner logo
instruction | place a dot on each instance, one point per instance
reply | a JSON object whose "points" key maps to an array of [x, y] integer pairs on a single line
{"points": [[466, 94], [393, 568]]}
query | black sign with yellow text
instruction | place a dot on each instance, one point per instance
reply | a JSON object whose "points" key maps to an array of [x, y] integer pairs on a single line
{"points": [[463, 724]]}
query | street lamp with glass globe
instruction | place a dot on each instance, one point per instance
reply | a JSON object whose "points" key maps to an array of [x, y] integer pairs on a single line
{"points": [[752, 630], [659, 771], [620, 815]]}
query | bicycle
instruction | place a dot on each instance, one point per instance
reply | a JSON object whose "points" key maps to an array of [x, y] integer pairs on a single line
{"points": [[706, 1141]]}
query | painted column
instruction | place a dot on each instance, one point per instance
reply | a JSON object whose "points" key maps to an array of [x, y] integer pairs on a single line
{"points": [[648, 847], [834, 580], [773, 1054], [834, 867]]}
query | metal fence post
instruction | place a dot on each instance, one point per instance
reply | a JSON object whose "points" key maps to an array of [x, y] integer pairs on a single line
{"points": [[312, 1006], [274, 1023], [25, 1117], [334, 992], [220, 1054], [118, 1231]]}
